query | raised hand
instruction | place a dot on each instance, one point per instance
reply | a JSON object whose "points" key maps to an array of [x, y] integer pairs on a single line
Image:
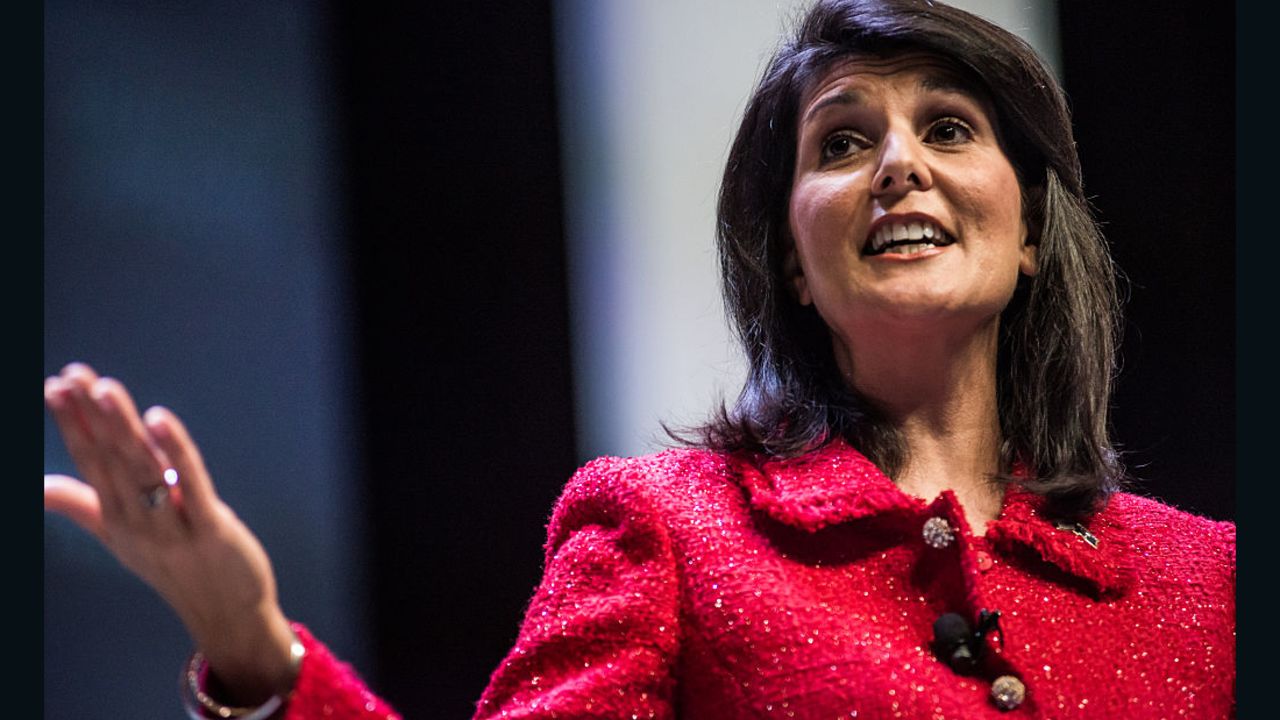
{"points": [[145, 493]]}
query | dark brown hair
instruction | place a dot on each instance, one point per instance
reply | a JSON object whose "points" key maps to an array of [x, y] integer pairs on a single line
{"points": [[1056, 356]]}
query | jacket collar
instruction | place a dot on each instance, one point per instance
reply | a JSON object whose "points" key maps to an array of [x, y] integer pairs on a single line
{"points": [[836, 484]]}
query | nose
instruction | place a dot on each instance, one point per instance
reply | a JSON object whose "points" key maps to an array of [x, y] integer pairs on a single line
{"points": [[902, 166]]}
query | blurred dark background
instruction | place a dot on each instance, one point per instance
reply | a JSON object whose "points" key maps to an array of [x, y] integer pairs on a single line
{"points": [[1153, 97], [330, 236]]}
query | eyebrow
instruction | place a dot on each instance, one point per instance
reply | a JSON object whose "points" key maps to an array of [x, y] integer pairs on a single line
{"points": [[948, 83], [936, 82], [844, 97]]}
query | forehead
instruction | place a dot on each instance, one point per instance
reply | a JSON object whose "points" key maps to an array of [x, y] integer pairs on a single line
{"points": [[924, 71]]}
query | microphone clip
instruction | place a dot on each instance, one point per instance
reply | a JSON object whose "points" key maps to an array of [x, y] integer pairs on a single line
{"points": [[961, 646], [988, 622]]}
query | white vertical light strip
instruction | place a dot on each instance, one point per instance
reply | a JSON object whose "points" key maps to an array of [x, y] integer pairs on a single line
{"points": [[651, 94]]}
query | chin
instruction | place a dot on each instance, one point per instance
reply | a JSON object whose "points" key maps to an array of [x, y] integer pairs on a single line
{"points": [[929, 315]]}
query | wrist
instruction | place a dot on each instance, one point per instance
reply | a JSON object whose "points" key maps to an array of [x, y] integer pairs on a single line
{"points": [[204, 697], [258, 662]]}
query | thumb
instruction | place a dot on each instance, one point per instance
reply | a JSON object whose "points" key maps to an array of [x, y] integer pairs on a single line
{"points": [[71, 498]]}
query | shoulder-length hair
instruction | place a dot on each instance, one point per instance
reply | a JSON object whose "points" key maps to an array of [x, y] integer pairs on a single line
{"points": [[1057, 336]]}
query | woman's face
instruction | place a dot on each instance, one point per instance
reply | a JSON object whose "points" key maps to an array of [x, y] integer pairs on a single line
{"points": [[905, 212]]}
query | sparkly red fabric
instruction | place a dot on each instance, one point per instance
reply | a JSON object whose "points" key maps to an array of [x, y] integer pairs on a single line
{"points": [[687, 584], [684, 584], [329, 688]]}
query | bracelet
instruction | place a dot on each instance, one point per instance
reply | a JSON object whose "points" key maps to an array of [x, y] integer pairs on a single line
{"points": [[200, 706]]}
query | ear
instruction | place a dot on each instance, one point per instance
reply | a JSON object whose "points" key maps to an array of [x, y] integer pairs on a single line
{"points": [[1029, 259], [1032, 231], [795, 277]]}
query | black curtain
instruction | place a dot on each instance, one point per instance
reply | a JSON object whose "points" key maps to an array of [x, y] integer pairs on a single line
{"points": [[458, 248], [1152, 88]]}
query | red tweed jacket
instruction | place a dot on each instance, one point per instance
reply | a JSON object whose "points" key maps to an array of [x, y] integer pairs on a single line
{"points": [[687, 584]]}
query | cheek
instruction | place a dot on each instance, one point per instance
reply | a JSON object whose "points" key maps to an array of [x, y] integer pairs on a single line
{"points": [[994, 205], [818, 220], [1006, 203]]}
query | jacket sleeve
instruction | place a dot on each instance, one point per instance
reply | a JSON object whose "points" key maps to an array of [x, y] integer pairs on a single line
{"points": [[600, 635], [329, 688]]}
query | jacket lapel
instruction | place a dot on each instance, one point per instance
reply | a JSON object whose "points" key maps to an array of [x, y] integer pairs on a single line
{"points": [[837, 484], [828, 486], [1097, 549]]}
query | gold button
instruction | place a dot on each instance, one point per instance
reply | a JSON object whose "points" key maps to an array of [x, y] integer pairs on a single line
{"points": [[1008, 692]]}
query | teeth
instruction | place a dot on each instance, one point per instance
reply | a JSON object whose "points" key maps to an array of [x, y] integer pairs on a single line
{"points": [[896, 232], [908, 249]]}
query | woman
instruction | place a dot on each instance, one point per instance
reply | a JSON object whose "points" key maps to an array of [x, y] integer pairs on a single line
{"points": [[913, 507]]}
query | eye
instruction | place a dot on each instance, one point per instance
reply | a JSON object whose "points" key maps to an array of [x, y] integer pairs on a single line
{"points": [[949, 131], [841, 144]]}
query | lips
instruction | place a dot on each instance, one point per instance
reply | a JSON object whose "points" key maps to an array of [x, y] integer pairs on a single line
{"points": [[906, 237]]}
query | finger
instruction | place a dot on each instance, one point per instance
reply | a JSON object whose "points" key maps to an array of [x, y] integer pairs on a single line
{"points": [[125, 439], [75, 500], [79, 377], [100, 456], [133, 462], [79, 380], [198, 496], [74, 381], [66, 398]]}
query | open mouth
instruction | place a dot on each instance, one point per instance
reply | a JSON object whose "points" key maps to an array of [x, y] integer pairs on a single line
{"points": [[906, 238]]}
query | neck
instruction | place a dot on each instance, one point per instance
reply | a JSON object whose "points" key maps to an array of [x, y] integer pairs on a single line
{"points": [[939, 392]]}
